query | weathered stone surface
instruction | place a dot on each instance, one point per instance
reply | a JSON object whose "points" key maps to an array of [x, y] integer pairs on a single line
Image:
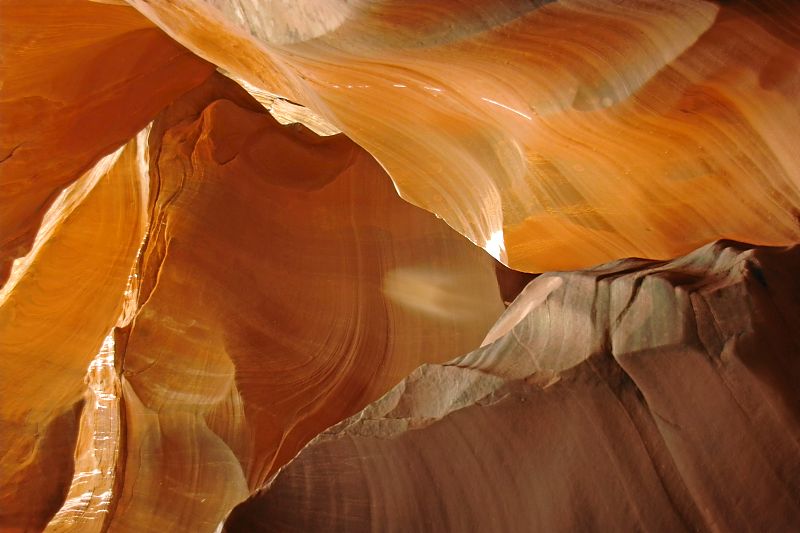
{"points": [[633, 396], [285, 285], [60, 303]]}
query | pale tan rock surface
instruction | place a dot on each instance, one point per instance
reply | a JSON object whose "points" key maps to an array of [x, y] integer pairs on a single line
{"points": [[633, 396]]}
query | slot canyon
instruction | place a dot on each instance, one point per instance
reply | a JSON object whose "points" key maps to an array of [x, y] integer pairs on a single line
{"points": [[399, 266]]}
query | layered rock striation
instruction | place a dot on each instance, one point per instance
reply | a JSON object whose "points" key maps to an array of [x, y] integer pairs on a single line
{"points": [[556, 135], [640, 395], [230, 228], [274, 300]]}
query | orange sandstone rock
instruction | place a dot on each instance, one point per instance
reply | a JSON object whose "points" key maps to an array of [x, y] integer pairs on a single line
{"points": [[557, 135], [284, 285], [238, 284], [55, 311], [79, 79]]}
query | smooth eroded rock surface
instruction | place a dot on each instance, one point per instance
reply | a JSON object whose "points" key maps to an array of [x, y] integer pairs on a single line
{"points": [[283, 286], [55, 311], [633, 396], [556, 135], [79, 79], [230, 228]]}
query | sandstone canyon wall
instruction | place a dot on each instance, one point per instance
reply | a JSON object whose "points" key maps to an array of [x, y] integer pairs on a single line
{"points": [[283, 266], [523, 124], [635, 396]]}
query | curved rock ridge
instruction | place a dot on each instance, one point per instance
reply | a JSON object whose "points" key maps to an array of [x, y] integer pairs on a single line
{"points": [[59, 305], [78, 79], [639, 395], [214, 265], [283, 286], [557, 135], [98, 450]]}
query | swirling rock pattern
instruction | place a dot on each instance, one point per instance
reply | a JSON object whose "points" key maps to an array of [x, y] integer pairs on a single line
{"points": [[79, 79], [281, 286], [284, 285], [55, 312], [557, 135], [214, 205], [633, 396]]}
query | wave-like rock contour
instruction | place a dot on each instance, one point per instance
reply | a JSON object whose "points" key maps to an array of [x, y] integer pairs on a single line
{"points": [[633, 396], [556, 135]]}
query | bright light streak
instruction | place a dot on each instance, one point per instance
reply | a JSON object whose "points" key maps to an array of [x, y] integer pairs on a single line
{"points": [[495, 245], [520, 113]]}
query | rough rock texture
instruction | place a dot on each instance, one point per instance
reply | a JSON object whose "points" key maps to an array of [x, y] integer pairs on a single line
{"points": [[96, 477], [636, 396], [557, 135]]}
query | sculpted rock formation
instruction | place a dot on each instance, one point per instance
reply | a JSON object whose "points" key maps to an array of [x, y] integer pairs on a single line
{"points": [[275, 299], [557, 135], [212, 254], [54, 314], [638, 395], [282, 286], [79, 79]]}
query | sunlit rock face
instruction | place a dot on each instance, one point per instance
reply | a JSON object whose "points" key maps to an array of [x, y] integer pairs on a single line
{"points": [[634, 396], [229, 227], [60, 304], [557, 135], [78, 80]]}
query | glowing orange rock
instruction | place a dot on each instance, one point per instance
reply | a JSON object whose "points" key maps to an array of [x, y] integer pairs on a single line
{"points": [[79, 79], [55, 311], [238, 284], [555, 135], [284, 285]]}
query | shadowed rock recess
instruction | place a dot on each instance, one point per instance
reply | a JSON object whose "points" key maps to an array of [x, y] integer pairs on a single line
{"points": [[382, 265]]}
